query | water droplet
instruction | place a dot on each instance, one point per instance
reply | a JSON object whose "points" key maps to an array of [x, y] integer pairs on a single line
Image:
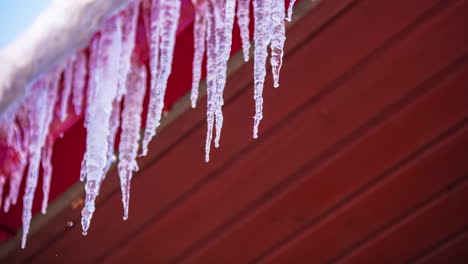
{"points": [[69, 223]]}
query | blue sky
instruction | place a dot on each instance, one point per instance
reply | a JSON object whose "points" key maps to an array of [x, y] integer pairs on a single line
{"points": [[16, 16]]}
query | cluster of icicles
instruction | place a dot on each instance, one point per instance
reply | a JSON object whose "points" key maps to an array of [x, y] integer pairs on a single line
{"points": [[99, 82]]}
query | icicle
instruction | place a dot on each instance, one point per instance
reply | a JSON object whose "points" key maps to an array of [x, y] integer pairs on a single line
{"points": [[131, 123], [221, 63], [92, 82], [113, 128], [243, 20], [290, 10], [128, 44], [229, 24], [277, 40], [2, 186], [99, 109], [224, 33], [129, 25], [79, 82], [67, 87], [199, 32], [211, 55], [47, 174], [262, 37], [162, 38], [43, 99], [154, 71]]}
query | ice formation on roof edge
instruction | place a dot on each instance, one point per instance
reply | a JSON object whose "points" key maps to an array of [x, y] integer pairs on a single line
{"points": [[114, 77]]}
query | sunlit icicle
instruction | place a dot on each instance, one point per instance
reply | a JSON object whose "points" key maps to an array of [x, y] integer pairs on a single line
{"points": [[114, 125], [211, 49], [169, 12], [199, 33], [155, 42], [67, 89], [243, 20], [224, 42], [2, 186], [229, 24], [131, 123], [99, 109], [79, 82], [42, 101], [262, 37], [46, 161], [91, 94], [277, 39], [129, 24], [221, 65], [290, 10], [129, 27]]}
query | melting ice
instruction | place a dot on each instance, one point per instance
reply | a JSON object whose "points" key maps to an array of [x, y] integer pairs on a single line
{"points": [[108, 83]]}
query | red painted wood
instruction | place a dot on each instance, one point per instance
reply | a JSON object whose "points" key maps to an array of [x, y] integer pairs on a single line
{"points": [[380, 204], [431, 223], [452, 251], [317, 191], [219, 199]]}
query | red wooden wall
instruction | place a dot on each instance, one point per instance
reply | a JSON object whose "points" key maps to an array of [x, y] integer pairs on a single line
{"points": [[362, 156]]}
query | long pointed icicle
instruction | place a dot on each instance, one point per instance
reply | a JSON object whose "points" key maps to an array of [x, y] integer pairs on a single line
{"points": [[262, 37], [92, 82], [229, 13], [199, 33], [131, 123], [47, 174], [243, 20], [211, 55], [98, 115], [169, 12], [79, 82], [277, 40], [43, 99], [129, 23], [221, 65], [67, 88], [290, 10], [155, 42]]}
